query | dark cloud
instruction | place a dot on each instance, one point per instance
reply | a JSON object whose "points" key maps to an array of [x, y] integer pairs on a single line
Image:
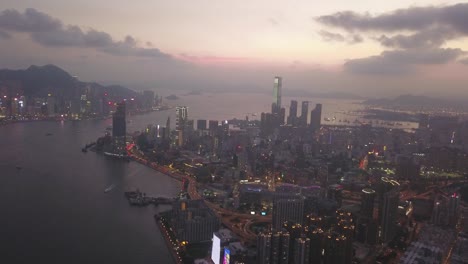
{"points": [[413, 18], [428, 38], [29, 21], [401, 61], [48, 31], [330, 36], [128, 47], [4, 35]]}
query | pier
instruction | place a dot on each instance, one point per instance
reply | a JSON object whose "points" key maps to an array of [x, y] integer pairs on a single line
{"points": [[138, 198]]}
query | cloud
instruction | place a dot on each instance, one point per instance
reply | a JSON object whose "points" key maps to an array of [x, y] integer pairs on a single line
{"points": [[428, 38], [330, 36], [4, 35], [51, 32], [401, 61], [29, 21], [413, 18]]}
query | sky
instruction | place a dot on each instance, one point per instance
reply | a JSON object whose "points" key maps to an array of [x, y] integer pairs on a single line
{"points": [[369, 48]]}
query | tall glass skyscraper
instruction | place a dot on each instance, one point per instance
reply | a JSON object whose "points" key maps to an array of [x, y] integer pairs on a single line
{"points": [[276, 106]]}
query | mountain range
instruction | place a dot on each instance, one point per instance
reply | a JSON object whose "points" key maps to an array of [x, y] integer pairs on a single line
{"points": [[40, 81], [416, 102]]}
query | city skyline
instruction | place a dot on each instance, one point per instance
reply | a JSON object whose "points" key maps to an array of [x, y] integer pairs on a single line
{"points": [[379, 49]]}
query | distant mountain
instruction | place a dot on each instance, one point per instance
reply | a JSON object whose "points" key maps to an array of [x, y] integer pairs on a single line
{"points": [[39, 81], [416, 102]]}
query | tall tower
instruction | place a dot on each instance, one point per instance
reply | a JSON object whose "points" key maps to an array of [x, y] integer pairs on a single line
{"points": [[304, 113], [181, 117], [315, 117], [292, 113], [118, 121], [276, 106], [389, 215], [367, 203], [119, 129]]}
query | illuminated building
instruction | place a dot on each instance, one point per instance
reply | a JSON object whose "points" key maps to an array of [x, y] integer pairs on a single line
{"points": [[367, 203], [316, 117], [263, 248], [50, 106], [301, 250], [119, 129], [276, 106], [193, 221], [287, 210], [181, 117]]}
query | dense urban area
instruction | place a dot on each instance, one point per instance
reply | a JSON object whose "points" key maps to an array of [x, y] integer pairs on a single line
{"points": [[286, 188]]}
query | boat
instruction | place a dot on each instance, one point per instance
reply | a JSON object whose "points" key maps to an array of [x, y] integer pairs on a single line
{"points": [[48, 134], [84, 150], [110, 188]]}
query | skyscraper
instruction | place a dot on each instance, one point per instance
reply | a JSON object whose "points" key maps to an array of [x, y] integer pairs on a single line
{"points": [[263, 248], [276, 106], [316, 117], [181, 117], [301, 250], [367, 203], [118, 121], [287, 210], [304, 113], [389, 215], [292, 113], [119, 129]]}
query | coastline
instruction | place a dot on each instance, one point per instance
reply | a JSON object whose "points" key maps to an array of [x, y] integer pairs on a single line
{"points": [[167, 240]]}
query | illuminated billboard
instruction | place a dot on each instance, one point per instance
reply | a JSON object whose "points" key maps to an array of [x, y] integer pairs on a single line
{"points": [[216, 249], [227, 255]]}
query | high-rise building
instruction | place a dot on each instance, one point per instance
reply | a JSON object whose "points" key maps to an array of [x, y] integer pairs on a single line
{"points": [[119, 129], [193, 221], [201, 124], [316, 117], [181, 117], [389, 215], [118, 121], [292, 113], [335, 193], [213, 127], [287, 210], [301, 250], [51, 106], [453, 204], [304, 113], [276, 106], [367, 203], [264, 248]]}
